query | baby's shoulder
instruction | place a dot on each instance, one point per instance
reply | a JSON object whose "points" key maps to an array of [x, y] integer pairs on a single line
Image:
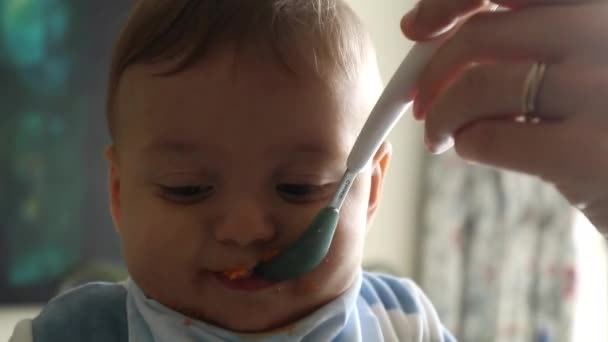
{"points": [[91, 312], [401, 308], [393, 293], [90, 295]]}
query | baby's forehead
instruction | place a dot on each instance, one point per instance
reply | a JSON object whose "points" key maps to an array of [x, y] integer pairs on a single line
{"points": [[231, 64], [245, 88], [259, 98]]}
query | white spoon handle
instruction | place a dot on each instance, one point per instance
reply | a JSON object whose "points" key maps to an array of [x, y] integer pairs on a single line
{"points": [[394, 101]]}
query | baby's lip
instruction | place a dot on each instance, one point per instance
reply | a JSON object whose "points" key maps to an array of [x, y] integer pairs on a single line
{"points": [[243, 279], [269, 255], [242, 271], [263, 257], [236, 273]]}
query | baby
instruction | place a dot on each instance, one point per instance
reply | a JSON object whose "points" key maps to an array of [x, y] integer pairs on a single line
{"points": [[231, 122]]}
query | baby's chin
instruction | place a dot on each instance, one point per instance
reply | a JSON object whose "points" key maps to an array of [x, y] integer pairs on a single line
{"points": [[294, 300], [242, 311], [276, 316], [259, 312], [262, 321], [255, 324]]}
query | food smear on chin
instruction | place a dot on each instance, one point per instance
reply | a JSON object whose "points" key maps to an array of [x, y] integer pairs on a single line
{"points": [[310, 286]]}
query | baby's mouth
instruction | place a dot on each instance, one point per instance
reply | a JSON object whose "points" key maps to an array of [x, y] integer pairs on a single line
{"points": [[243, 279], [237, 273]]}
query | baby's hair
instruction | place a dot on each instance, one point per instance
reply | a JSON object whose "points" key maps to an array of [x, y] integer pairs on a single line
{"points": [[326, 34]]}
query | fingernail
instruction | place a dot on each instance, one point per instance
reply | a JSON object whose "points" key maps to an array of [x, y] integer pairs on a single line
{"points": [[428, 144], [411, 15], [445, 145], [409, 18], [440, 147], [418, 110]]}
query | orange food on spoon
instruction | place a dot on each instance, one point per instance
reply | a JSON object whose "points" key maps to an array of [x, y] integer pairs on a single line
{"points": [[237, 273], [269, 255]]}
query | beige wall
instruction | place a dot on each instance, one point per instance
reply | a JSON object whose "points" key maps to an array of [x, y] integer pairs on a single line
{"points": [[389, 242], [9, 317]]}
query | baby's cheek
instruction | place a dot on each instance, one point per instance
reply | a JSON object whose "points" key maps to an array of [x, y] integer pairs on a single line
{"points": [[350, 233], [353, 215], [158, 241], [341, 265]]}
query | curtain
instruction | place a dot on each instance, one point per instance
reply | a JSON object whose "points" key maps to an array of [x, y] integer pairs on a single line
{"points": [[496, 253]]}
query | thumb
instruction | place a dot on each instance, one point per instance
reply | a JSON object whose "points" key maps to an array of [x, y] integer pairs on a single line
{"points": [[418, 26], [430, 18], [529, 148]]}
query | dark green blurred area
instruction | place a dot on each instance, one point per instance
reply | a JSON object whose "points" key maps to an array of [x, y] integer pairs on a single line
{"points": [[55, 228]]}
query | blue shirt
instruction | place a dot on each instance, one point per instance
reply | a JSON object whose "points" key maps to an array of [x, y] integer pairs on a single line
{"points": [[376, 308]]}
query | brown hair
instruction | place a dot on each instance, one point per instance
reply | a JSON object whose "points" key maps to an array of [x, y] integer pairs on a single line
{"points": [[182, 31]]}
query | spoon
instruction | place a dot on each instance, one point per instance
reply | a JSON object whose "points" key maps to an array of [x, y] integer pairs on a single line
{"points": [[306, 253]]}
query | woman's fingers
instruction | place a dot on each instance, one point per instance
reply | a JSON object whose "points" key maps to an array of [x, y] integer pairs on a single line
{"points": [[512, 146], [516, 37], [430, 17], [482, 92], [497, 91]]}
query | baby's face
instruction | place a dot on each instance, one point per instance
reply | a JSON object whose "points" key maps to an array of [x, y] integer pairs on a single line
{"points": [[222, 164]]}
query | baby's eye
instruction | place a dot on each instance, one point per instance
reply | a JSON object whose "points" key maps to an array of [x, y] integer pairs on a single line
{"points": [[186, 194], [304, 192]]}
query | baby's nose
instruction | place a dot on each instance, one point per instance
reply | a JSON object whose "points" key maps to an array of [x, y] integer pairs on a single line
{"points": [[247, 223]]}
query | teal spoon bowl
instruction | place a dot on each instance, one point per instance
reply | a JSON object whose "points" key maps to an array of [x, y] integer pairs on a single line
{"points": [[306, 253]]}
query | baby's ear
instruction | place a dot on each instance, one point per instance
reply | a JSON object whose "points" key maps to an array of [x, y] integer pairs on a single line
{"points": [[113, 184], [380, 164]]}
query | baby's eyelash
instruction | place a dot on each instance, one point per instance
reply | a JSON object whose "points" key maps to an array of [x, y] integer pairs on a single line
{"points": [[304, 192], [298, 188], [186, 193], [292, 192]]}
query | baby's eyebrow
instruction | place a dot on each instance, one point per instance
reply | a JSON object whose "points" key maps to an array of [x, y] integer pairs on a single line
{"points": [[309, 148], [311, 153], [170, 147], [187, 149], [326, 151]]}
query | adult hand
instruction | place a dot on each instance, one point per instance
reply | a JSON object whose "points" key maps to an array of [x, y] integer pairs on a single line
{"points": [[482, 79]]}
